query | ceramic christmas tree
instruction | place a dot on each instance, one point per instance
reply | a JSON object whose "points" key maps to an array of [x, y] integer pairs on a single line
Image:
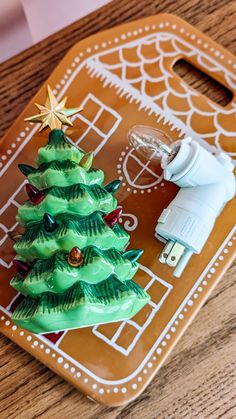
{"points": [[71, 264]]}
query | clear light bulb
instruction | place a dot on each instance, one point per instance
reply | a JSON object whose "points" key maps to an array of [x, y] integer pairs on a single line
{"points": [[152, 143]]}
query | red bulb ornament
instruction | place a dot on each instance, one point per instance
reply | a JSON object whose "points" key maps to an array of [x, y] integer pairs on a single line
{"points": [[34, 194], [112, 218], [22, 267]]}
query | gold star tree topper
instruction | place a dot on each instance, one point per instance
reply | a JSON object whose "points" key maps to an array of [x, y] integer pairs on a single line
{"points": [[53, 114]]}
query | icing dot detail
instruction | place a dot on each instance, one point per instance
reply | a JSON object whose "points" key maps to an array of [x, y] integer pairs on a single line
{"points": [[72, 369], [150, 364], [101, 390], [134, 386], [60, 360], [159, 351], [66, 366], [115, 390], [78, 374], [123, 390], [29, 338], [47, 350], [94, 386]]}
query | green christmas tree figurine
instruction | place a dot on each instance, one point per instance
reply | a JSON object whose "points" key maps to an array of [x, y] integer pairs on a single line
{"points": [[70, 262]]}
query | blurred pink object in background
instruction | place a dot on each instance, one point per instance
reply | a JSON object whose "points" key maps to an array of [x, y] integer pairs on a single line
{"points": [[49, 16], [26, 22], [14, 31]]}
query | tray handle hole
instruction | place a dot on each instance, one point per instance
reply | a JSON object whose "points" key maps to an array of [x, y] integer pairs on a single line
{"points": [[203, 83]]}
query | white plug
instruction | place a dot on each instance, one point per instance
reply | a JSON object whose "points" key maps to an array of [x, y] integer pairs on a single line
{"points": [[206, 184]]}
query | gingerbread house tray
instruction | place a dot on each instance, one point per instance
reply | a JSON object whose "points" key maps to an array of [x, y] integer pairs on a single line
{"points": [[124, 77]]}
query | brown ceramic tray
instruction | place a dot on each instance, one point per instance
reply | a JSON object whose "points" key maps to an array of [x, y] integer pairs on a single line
{"points": [[124, 77]]}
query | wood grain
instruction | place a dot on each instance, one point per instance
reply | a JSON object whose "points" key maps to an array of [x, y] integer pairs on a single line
{"points": [[199, 378]]}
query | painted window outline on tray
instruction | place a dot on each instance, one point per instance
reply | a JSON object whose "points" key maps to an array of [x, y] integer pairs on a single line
{"points": [[154, 281], [91, 124]]}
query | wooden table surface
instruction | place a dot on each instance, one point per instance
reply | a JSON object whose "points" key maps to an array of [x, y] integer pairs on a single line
{"points": [[199, 378]]}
